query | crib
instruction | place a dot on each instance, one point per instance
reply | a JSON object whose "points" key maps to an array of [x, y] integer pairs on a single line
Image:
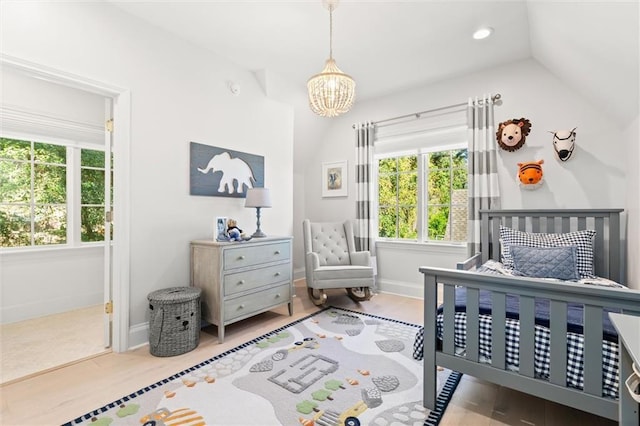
{"points": [[561, 299]]}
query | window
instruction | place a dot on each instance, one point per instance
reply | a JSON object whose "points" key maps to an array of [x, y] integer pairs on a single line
{"points": [[41, 187], [423, 196]]}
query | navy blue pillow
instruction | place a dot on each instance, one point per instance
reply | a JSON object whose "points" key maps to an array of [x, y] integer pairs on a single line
{"points": [[546, 262]]}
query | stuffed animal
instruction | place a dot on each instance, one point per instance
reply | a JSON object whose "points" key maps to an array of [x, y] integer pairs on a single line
{"points": [[564, 141], [235, 233], [530, 174], [512, 134]]}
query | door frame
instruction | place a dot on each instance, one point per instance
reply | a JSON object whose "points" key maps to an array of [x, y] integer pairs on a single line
{"points": [[120, 269]]}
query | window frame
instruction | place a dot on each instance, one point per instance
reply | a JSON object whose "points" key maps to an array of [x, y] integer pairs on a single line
{"points": [[73, 165], [422, 196]]}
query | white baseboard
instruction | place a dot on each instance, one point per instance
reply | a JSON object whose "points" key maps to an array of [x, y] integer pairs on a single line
{"points": [[138, 335], [298, 274], [401, 288]]}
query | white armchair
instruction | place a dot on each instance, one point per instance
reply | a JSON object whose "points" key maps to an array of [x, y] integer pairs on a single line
{"points": [[331, 261]]}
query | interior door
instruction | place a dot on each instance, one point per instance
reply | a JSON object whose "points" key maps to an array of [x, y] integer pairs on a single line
{"points": [[108, 143]]}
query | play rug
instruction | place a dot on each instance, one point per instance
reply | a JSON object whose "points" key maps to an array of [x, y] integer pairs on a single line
{"points": [[333, 367]]}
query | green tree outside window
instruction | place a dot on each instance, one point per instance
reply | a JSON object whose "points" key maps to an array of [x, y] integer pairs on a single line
{"points": [[444, 204]]}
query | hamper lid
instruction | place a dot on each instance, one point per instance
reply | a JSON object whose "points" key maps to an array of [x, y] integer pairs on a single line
{"points": [[174, 294]]}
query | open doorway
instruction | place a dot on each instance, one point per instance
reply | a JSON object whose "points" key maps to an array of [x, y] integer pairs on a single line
{"points": [[55, 291]]}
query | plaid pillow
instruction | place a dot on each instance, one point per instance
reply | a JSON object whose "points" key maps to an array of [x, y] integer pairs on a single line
{"points": [[583, 240]]}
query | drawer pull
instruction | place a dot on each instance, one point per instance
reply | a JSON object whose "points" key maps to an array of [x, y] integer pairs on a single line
{"points": [[240, 257], [277, 274], [277, 252], [278, 296], [240, 307], [241, 282]]}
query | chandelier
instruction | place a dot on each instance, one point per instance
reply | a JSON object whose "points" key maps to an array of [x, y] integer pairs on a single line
{"points": [[331, 92]]}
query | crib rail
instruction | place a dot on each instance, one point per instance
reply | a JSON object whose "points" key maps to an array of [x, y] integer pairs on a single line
{"points": [[608, 262], [593, 298]]}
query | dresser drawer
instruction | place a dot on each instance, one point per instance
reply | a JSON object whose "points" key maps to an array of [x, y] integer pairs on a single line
{"points": [[253, 303], [254, 255], [248, 280]]}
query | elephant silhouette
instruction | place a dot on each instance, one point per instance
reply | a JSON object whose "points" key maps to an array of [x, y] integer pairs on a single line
{"points": [[232, 169]]}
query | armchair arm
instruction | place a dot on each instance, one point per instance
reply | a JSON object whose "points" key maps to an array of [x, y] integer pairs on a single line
{"points": [[360, 258], [311, 263]]}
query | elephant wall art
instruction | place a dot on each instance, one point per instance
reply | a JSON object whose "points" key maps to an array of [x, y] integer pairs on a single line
{"points": [[221, 172]]}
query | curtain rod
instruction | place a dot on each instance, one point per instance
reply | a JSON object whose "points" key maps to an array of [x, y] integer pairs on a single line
{"points": [[494, 98]]}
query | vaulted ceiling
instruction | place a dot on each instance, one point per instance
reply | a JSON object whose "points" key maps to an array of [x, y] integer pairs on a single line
{"points": [[593, 46]]}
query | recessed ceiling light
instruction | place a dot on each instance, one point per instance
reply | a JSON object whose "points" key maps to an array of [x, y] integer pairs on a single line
{"points": [[483, 33]]}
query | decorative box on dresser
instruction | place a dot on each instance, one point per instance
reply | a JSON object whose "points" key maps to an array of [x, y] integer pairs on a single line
{"points": [[242, 279]]}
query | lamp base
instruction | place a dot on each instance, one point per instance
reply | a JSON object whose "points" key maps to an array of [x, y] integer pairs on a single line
{"points": [[258, 234]]}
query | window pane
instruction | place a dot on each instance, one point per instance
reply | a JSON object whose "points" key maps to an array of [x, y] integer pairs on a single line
{"points": [[408, 164], [15, 149], [92, 158], [15, 182], [387, 165], [15, 226], [459, 179], [92, 186], [50, 225], [92, 223], [408, 188], [387, 190], [48, 153], [439, 160], [438, 222], [50, 184], [407, 224], [460, 158], [439, 187], [387, 222]]}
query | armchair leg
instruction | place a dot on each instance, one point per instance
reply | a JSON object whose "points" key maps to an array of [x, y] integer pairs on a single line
{"points": [[359, 294], [321, 297]]}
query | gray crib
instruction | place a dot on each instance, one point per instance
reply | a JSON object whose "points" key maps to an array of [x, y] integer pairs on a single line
{"points": [[608, 263]]}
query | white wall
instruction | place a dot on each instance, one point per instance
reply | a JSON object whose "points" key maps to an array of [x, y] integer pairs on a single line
{"points": [[178, 94], [595, 177], [632, 154]]}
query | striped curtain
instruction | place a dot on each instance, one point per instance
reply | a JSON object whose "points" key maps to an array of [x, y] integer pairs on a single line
{"points": [[365, 239], [484, 191], [365, 216]]}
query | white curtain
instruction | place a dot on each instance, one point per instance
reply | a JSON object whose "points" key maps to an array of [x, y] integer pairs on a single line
{"points": [[484, 191]]}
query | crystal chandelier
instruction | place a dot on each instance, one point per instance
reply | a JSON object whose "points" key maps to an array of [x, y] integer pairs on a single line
{"points": [[331, 92]]}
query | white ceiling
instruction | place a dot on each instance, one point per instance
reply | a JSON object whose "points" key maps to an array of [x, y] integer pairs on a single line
{"points": [[388, 46]]}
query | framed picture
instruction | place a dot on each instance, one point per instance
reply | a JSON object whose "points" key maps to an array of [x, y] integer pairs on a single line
{"points": [[222, 172], [220, 229], [334, 179]]}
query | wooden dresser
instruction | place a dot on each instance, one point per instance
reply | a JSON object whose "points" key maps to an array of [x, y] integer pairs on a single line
{"points": [[241, 279]]}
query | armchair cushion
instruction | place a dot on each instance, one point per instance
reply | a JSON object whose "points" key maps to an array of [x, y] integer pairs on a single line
{"points": [[329, 242]]}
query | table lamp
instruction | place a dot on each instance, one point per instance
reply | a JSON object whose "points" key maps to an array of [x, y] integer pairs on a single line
{"points": [[258, 198]]}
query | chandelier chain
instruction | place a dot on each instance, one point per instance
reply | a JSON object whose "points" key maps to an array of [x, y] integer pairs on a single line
{"points": [[331, 32]]}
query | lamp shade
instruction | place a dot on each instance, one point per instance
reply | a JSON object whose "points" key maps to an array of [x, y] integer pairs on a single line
{"points": [[258, 197]]}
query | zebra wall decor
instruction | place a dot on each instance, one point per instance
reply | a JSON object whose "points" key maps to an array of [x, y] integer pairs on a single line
{"points": [[564, 142]]}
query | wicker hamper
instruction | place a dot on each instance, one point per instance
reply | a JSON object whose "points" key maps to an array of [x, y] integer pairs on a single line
{"points": [[174, 320]]}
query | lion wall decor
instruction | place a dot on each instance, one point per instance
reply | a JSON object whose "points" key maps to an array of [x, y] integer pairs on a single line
{"points": [[512, 134], [221, 172]]}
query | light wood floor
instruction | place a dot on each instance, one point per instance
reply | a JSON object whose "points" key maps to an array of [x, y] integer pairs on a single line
{"points": [[41, 344], [58, 396]]}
